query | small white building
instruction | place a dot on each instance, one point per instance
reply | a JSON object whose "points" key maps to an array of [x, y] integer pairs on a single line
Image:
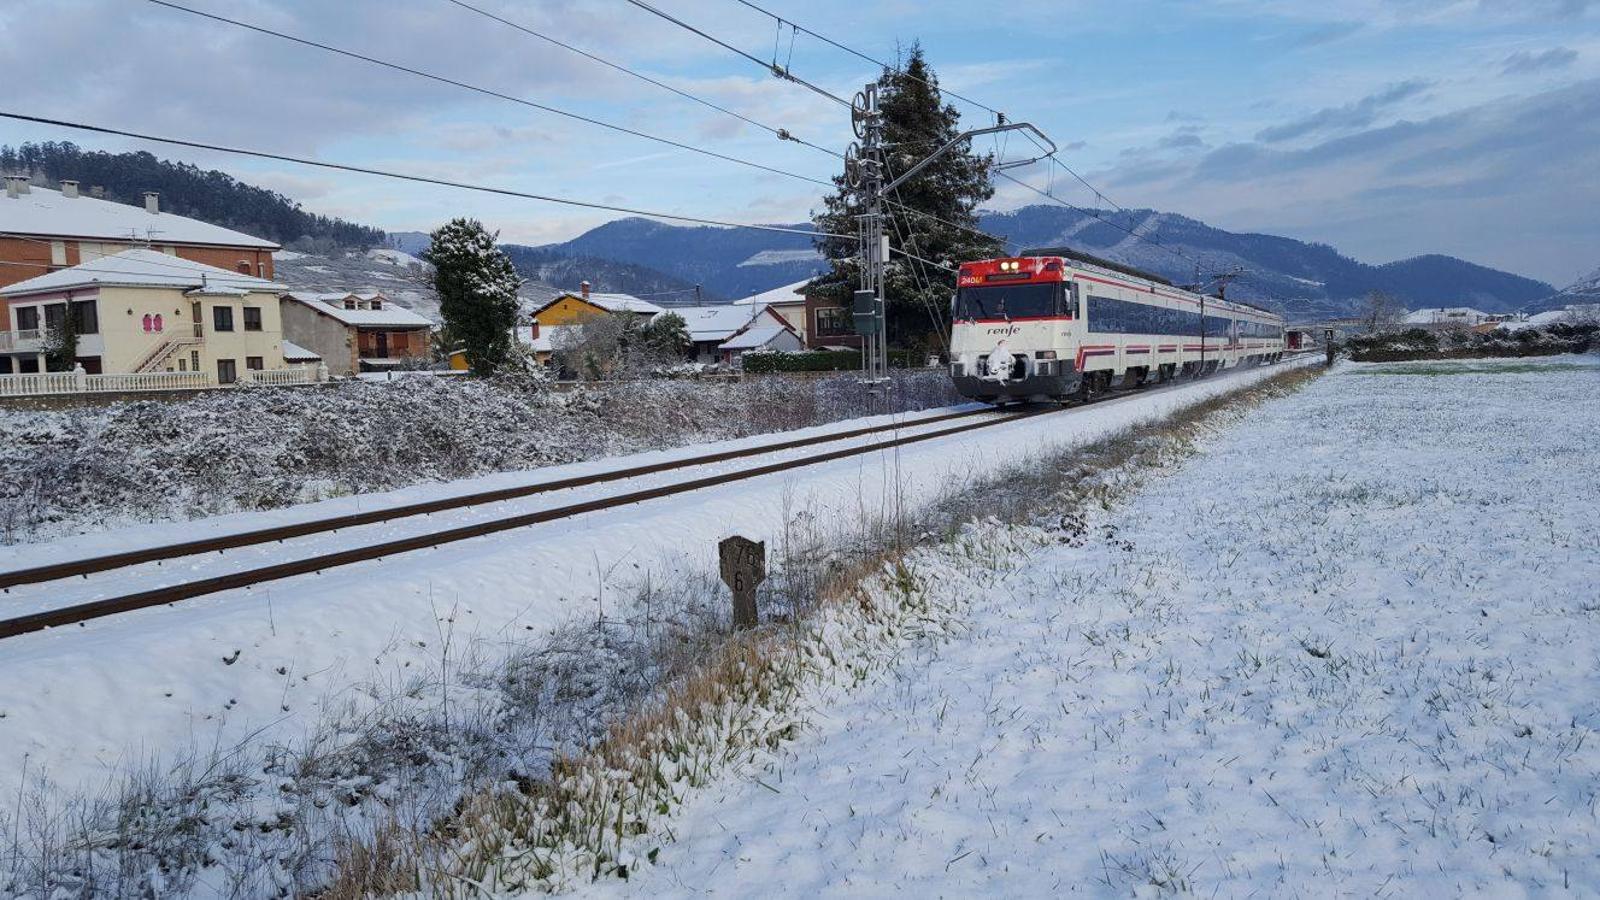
{"points": [[710, 327], [760, 336], [1450, 315]]}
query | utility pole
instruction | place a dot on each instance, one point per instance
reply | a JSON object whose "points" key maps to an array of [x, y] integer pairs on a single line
{"points": [[864, 168], [864, 171]]}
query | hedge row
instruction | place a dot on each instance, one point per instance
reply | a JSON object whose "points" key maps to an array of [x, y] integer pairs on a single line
{"points": [[822, 361]]}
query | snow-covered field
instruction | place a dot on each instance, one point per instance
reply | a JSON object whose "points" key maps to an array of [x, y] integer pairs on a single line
{"points": [[1350, 650]]}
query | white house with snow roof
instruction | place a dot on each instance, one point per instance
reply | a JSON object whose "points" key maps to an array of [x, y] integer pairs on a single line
{"points": [[355, 332], [143, 311], [45, 230], [711, 327], [788, 302]]}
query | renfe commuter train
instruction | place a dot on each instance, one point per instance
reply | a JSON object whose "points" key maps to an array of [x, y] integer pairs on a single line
{"points": [[1056, 325]]}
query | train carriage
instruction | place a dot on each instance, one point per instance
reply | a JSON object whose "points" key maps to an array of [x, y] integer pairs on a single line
{"points": [[1058, 325]]}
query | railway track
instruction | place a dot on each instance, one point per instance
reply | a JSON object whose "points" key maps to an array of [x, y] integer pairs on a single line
{"points": [[80, 613], [84, 568]]}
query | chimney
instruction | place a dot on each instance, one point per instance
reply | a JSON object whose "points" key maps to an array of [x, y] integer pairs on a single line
{"points": [[24, 185], [69, 189], [97, 192], [152, 202], [13, 190], [585, 288]]}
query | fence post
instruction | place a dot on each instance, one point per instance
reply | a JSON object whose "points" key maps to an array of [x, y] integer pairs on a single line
{"points": [[322, 372]]}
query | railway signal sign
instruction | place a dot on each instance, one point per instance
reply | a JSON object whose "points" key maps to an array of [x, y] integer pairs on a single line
{"points": [[744, 567]]}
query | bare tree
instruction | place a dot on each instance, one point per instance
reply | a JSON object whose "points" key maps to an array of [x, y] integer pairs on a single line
{"points": [[1380, 311]]}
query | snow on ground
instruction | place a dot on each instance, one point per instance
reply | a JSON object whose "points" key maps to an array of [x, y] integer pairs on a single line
{"points": [[1348, 651], [77, 702]]}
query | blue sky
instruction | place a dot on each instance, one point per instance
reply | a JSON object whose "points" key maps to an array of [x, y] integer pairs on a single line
{"points": [[1387, 128]]}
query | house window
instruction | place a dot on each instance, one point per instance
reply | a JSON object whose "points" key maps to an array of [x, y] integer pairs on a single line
{"points": [[227, 373], [377, 303], [253, 363], [149, 323], [252, 318], [86, 317], [833, 321], [27, 318], [350, 303], [222, 318], [58, 253], [54, 315], [28, 365], [183, 364], [158, 323], [194, 360], [244, 267]]}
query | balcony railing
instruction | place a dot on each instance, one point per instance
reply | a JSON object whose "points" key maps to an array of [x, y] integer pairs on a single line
{"points": [[44, 383], [27, 339]]}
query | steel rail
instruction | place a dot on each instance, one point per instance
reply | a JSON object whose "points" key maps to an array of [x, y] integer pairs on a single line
{"points": [[80, 613], [92, 565]]}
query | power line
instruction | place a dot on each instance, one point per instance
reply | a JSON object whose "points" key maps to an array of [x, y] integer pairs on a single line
{"points": [[857, 53], [773, 67], [780, 133], [420, 179], [488, 92], [1054, 158]]}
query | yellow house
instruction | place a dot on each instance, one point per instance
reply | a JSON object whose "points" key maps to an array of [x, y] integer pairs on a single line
{"points": [[143, 311], [565, 310], [571, 309]]}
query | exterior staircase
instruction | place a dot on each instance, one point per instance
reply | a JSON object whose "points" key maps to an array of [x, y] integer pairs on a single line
{"points": [[151, 361]]}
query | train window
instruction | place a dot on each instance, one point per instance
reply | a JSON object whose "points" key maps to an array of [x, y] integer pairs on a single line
{"points": [[1010, 301]]}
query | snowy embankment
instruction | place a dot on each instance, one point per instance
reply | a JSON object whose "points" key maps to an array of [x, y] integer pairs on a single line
{"points": [[1350, 650], [78, 703], [86, 470]]}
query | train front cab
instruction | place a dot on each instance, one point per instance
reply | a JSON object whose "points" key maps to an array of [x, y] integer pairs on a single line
{"points": [[1019, 314]]}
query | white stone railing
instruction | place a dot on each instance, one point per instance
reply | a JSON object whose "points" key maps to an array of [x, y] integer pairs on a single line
{"points": [[80, 382], [297, 375]]}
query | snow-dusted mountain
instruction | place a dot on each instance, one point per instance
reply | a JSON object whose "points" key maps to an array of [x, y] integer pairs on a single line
{"points": [[1585, 290], [1306, 279]]}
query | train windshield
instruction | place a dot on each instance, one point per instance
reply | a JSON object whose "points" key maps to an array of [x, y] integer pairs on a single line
{"points": [[1009, 301]]}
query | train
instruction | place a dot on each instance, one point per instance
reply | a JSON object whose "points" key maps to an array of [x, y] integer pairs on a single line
{"points": [[1054, 325]]}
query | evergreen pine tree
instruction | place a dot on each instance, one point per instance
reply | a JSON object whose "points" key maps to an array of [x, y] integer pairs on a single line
{"points": [[916, 123], [477, 288]]}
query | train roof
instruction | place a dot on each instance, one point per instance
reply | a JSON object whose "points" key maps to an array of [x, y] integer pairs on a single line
{"points": [[1079, 256], [1082, 259]]}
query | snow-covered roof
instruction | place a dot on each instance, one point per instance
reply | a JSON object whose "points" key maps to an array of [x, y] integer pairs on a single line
{"points": [[785, 294], [1444, 314], [293, 352], [609, 302], [49, 213], [386, 316], [755, 336], [714, 323], [141, 268]]}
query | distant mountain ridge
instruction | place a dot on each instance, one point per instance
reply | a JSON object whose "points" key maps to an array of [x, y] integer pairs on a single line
{"points": [[1305, 279], [1585, 290]]}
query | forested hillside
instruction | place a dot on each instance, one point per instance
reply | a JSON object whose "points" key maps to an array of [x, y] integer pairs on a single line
{"points": [[187, 190]]}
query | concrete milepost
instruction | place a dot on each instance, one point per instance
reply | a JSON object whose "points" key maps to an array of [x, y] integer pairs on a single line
{"points": [[744, 567]]}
